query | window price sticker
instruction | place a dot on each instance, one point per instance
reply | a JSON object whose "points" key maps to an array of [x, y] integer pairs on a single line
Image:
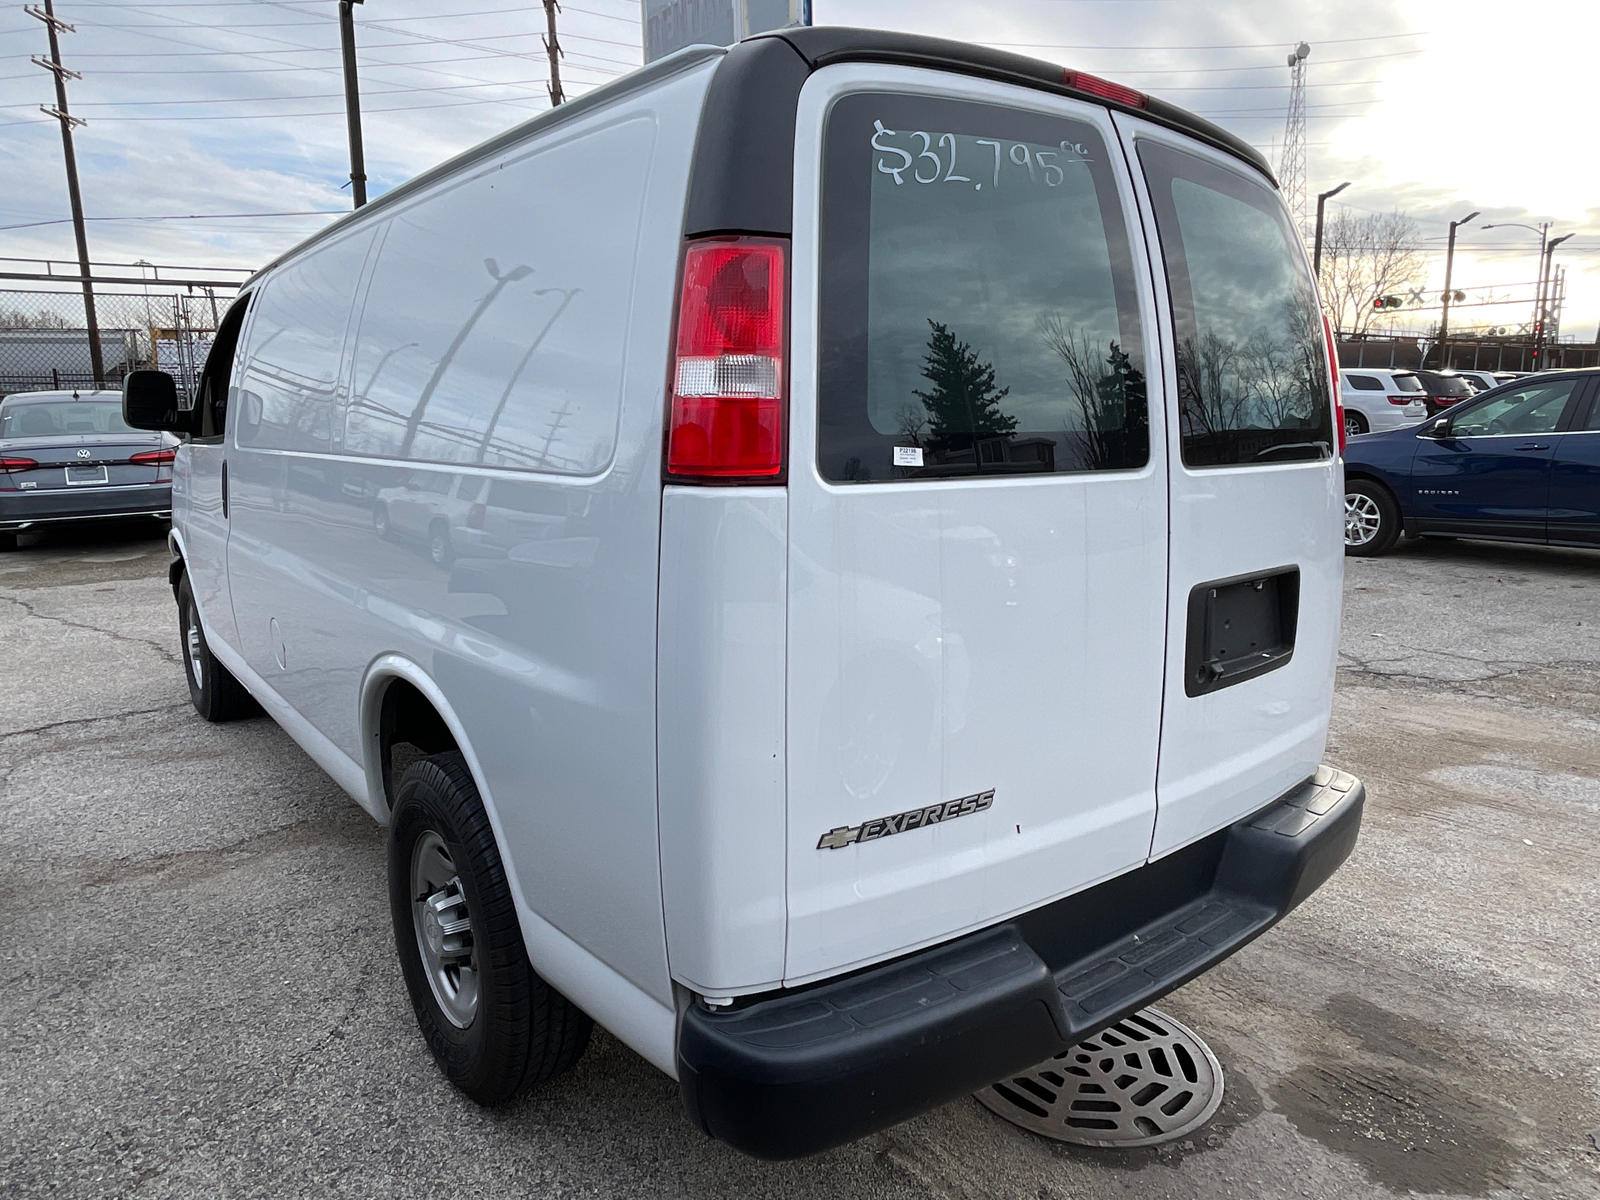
{"points": [[908, 456]]}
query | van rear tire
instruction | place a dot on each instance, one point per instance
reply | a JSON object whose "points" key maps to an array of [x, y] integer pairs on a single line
{"points": [[215, 693], [495, 1028]]}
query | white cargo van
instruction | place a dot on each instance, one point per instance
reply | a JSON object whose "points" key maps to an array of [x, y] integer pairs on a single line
{"points": [[874, 622]]}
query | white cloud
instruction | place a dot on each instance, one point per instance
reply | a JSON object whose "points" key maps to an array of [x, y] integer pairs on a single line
{"points": [[1480, 109]]}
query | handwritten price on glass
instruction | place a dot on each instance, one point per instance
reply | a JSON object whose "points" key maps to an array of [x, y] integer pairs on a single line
{"points": [[1040, 164]]}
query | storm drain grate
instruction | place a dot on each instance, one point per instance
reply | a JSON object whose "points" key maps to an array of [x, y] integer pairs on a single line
{"points": [[1147, 1079]]}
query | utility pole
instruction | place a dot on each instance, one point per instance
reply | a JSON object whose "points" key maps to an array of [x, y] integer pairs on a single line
{"points": [[1449, 269], [1542, 315], [91, 319], [1316, 253], [552, 47], [352, 102]]}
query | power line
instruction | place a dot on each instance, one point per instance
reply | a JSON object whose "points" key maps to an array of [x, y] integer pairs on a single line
{"points": [[285, 116], [1379, 37], [310, 212]]}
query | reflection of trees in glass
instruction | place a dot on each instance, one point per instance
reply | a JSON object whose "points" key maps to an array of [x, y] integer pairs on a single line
{"points": [[1107, 388], [1272, 379], [964, 401]]}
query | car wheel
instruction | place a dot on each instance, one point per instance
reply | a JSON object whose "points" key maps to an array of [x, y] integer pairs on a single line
{"points": [[214, 692], [1354, 423], [380, 522], [1371, 519], [439, 548], [495, 1028]]}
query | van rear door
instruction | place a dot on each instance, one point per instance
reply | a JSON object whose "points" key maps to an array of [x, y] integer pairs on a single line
{"points": [[977, 513], [1256, 546]]}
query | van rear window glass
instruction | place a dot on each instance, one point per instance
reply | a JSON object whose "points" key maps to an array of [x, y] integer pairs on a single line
{"points": [[1252, 375], [978, 312]]}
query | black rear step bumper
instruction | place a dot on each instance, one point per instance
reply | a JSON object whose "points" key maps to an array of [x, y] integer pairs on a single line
{"points": [[798, 1072]]}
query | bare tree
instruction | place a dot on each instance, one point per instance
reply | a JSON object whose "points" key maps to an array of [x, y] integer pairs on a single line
{"points": [[1364, 257], [16, 318]]}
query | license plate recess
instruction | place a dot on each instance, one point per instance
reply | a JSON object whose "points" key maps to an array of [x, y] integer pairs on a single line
{"points": [[1240, 628]]}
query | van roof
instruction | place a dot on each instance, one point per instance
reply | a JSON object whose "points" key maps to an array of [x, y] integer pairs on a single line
{"points": [[750, 112]]}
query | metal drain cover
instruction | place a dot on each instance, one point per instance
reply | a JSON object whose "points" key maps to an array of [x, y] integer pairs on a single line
{"points": [[1148, 1079]]}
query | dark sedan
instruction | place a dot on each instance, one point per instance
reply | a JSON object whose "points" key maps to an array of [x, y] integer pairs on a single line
{"points": [[69, 456], [1520, 463]]}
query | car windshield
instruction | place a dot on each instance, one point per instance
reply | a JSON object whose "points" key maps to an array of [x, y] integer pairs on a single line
{"points": [[1408, 383], [63, 418]]}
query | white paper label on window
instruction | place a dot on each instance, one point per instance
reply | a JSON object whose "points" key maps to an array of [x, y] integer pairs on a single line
{"points": [[908, 456]]}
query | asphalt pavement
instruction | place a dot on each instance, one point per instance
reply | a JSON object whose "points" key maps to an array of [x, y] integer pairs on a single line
{"points": [[201, 996]]}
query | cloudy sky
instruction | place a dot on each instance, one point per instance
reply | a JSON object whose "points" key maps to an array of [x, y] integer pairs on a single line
{"points": [[1432, 107]]}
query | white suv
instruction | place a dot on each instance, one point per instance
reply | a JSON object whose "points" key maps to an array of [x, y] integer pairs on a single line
{"points": [[904, 640], [1379, 400]]}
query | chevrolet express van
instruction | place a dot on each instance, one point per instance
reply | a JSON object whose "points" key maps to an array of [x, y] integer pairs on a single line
{"points": [[874, 622]]}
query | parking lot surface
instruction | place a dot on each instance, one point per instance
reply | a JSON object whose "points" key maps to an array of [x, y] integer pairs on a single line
{"points": [[201, 996]]}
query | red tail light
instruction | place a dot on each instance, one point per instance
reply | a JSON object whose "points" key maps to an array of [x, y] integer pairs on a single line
{"points": [[17, 464], [155, 458], [1333, 380], [1401, 399], [1082, 81], [729, 385]]}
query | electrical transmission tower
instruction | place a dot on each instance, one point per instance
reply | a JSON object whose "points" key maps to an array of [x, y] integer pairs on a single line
{"points": [[52, 64], [1292, 166]]}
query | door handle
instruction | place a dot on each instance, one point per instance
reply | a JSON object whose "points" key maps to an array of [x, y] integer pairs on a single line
{"points": [[1535, 446]]}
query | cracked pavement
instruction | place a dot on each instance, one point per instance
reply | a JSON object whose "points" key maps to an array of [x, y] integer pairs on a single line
{"points": [[201, 995]]}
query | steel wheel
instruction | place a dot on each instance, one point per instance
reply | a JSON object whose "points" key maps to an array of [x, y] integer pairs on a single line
{"points": [[193, 643], [444, 930], [1362, 519]]}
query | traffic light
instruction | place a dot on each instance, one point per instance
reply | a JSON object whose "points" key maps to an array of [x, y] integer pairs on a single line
{"points": [[1387, 302]]}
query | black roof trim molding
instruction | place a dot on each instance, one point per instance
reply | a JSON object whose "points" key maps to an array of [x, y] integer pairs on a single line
{"points": [[743, 178]]}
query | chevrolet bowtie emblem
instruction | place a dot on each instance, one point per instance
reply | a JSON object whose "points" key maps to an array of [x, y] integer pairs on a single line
{"points": [[870, 831]]}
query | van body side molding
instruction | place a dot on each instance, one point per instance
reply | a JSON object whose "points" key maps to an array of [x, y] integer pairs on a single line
{"points": [[794, 1073]]}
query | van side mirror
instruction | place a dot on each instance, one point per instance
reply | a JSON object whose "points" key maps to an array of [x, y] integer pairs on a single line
{"points": [[150, 401]]}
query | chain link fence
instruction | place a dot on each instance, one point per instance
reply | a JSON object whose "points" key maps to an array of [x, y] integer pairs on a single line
{"points": [[44, 344]]}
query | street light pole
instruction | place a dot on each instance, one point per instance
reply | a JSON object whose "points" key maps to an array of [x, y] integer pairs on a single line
{"points": [[1543, 315], [1444, 316], [1316, 252], [1543, 231], [352, 102]]}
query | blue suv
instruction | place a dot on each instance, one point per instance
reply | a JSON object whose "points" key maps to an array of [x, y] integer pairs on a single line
{"points": [[1520, 463]]}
